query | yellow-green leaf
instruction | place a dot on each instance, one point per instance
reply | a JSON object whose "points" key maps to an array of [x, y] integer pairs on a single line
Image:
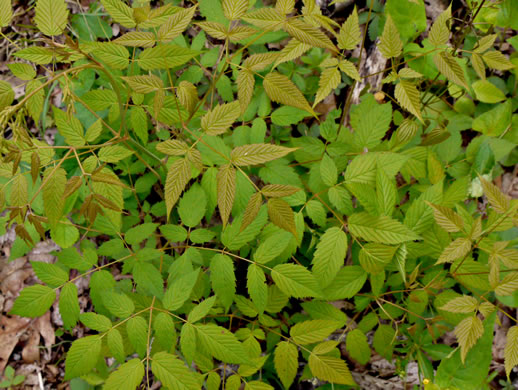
{"points": [[408, 96], [468, 331], [265, 18], [220, 118], [349, 69], [498, 200], [55, 180], [120, 12], [478, 65], [178, 176], [257, 154], [281, 214], [251, 210], [234, 9], [245, 88], [286, 362], [496, 60], [136, 39], [463, 304], [440, 32], [285, 7], [448, 66], [51, 16], [390, 42], [6, 13], [487, 92], [329, 80], [511, 349], [226, 180], [350, 34], [307, 33], [281, 89], [294, 49], [176, 24], [331, 369], [446, 218]]}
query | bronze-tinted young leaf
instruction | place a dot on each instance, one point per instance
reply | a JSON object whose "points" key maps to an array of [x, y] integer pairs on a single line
{"points": [[251, 210], [278, 190], [281, 89], [245, 88], [258, 154], [226, 191], [219, 119], [178, 176], [281, 214]]}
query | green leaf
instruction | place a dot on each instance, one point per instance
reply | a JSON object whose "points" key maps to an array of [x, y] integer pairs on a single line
{"points": [[165, 57], [370, 121], [307, 33], [51, 16], [144, 83], [172, 372], [257, 288], [295, 281], [148, 279], [446, 218], [331, 369], [350, 34], [116, 345], [407, 95], [221, 343], [113, 153], [511, 349], [381, 229], [6, 94], [328, 171], [220, 118], [69, 305], [329, 80], [20, 70], [137, 329], [456, 250], [468, 331], [176, 24], [223, 278], [113, 55], [82, 356], [286, 362], [69, 127], [386, 193], [181, 289], [375, 257], [119, 304], [358, 347], [329, 256], [255, 154], [174, 233], [272, 247], [50, 274], [201, 310], [349, 280], [281, 89], [226, 191], [120, 12], [178, 176], [136, 39], [6, 13], [95, 321], [286, 116], [463, 304], [313, 331], [127, 376], [496, 60], [383, 341], [440, 32], [390, 42], [486, 92], [448, 66], [139, 233], [34, 301], [192, 206]]}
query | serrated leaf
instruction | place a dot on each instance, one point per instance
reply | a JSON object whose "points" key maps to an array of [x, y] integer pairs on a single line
{"points": [[381, 229], [178, 176], [113, 153], [485, 43], [220, 118], [55, 180], [487, 92], [223, 279], [375, 257], [148, 279], [176, 24], [278, 190], [82, 356], [329, 80], [295, 281], [312, 331], [456, 250], [144, 83], [390, 42], [407, 95], [234, 9], [180, 290], [51, 16], [468, 331], [350, 34], [285, 7], [221, 343], [201, 310], [331, 369], [463, 304], [6, 13], [500, 202], [252, 210], [127, 376], [272, 247], [307, 33], [448, 66], [172, 372], [120, 12], [286, 362], [496, 60], [226, 180], [386, 192], [245, 88], [21, 70], [257, 288], [137, 329], [281, 214], [446, 218], [95, 321], [50, 274], [330, 255], [281, 89], [136, 39], [6, 94], [255, 154], [165, 57], [265, 18], [34, 301], [119, 304], [440, 32], [293, 50], [358, 347], [511, 349], [508, 285], [349, 69], [94, 131], [69, 305], [69, 127]]}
